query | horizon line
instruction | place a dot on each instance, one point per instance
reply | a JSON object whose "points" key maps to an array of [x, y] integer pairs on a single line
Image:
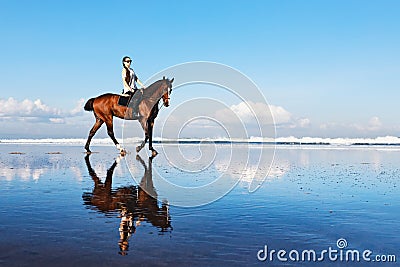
{"points": [[290, 140]]}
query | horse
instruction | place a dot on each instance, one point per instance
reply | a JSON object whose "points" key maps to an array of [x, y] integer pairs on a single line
{"points": [[105, 107]]}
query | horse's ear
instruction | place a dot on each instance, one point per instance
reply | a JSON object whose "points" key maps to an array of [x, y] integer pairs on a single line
{"points": [[172, 80]]}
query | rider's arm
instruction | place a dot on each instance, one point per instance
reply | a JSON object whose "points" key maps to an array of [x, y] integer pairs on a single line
{"points": [[126, 86], [140, 83]]}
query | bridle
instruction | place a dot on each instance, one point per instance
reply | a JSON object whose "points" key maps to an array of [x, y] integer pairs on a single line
{"points": [[169, 90]]}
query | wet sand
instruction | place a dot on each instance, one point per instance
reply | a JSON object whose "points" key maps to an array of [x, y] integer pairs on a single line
{"points": [[59, 207]]}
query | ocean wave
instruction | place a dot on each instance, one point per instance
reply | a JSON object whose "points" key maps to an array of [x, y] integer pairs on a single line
{"points": [[291, 140]]}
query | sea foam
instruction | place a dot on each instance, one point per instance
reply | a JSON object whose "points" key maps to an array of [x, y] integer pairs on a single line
{"points": [[291, 140]]}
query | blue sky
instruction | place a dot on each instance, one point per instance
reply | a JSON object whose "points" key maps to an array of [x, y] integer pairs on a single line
{"points": [[334, 64]]}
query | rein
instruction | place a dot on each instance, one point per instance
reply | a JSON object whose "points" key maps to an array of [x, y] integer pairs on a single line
{"points": [[155, 99], [158, 101]]}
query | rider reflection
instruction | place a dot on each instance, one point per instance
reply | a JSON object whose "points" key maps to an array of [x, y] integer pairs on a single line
{"points": [[126, 228], [135, 204]]}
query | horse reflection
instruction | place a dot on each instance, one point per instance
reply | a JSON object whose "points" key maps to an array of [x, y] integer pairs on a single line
{"points": [[134, 203]]}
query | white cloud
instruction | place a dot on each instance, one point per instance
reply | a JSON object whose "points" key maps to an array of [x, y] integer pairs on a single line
{"points": [[12, 108], [281, 115], [374, 124], [304, 122], [34, 111], [236, 121], [78, 108], [369, 128], [249, 111], [57, 120]]}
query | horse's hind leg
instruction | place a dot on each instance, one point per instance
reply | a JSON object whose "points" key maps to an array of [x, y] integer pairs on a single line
{"points": [[92, 132]]}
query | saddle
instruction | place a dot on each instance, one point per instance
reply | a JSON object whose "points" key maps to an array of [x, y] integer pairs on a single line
{"points": [[131, 101]]}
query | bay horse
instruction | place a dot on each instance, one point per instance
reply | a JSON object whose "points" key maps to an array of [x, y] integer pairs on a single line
{"points": [[106, 107]]}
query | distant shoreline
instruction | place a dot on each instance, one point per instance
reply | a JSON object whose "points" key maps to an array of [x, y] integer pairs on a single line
{"points": [[281, 141]]}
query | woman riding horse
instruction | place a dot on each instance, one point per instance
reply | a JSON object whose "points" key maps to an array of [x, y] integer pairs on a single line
{"points": [[105, 108]]}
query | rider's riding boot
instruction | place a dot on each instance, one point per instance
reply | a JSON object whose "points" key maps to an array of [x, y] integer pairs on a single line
{"points": [[135, 110], [134, 104]]}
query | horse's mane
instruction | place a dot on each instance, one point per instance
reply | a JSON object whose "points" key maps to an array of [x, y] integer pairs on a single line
{"points": [[149, 91]]}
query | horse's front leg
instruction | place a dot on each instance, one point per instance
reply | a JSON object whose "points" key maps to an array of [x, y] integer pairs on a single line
{"points": [[154, 152], [138, 148], [143, 122]]}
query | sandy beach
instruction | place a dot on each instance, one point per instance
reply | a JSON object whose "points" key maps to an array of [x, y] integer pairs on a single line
{"points": [[60, 207]]}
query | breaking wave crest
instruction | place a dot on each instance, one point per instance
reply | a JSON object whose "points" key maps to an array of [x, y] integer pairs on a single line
{"points": [[291, 140]]}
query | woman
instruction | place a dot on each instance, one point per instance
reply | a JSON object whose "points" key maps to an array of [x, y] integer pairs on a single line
{"points": [[129, 77]]}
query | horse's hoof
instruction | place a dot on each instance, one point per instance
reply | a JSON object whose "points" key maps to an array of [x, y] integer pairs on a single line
{"points": [[123, 152], [138, 148], [154, 153]]}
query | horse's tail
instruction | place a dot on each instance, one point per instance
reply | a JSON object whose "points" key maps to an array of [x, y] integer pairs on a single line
{"points": [[89, 105]]}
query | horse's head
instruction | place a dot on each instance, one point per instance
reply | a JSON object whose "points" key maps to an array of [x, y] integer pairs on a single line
{"points": [[168, 91]]}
